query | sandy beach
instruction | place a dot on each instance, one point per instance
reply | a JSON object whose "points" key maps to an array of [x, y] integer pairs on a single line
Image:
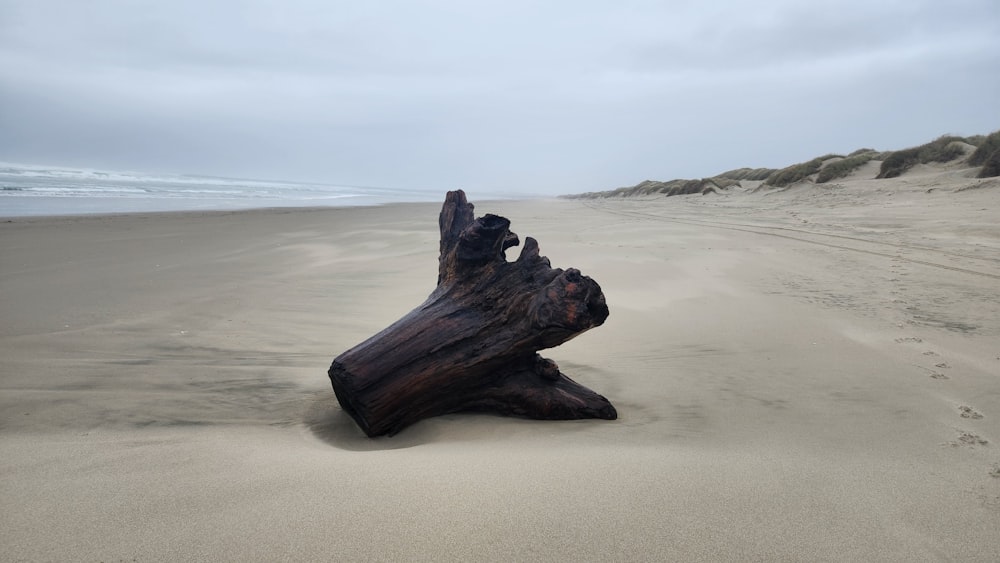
{"points": [[808, 374]]}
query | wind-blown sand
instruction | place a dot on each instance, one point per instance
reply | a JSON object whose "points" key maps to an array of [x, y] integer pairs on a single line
{"points": [[812, 374]]}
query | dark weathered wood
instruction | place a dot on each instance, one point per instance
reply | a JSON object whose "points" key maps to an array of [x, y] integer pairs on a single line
{"points": [[472, 345]]}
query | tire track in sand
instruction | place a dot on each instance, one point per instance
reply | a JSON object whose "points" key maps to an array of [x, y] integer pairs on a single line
{"points": [[801, 234]]}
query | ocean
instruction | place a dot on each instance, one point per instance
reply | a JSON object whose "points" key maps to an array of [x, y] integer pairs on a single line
{"points": [[28, 190]]}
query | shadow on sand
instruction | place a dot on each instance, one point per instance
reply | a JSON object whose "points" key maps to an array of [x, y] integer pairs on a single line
{"points": [[328, 422]]}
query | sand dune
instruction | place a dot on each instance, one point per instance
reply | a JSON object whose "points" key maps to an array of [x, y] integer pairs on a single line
{"points": [[804, 374]]}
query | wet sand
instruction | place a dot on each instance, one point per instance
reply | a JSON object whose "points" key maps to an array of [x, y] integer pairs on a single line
{"points": [[810, 374]]}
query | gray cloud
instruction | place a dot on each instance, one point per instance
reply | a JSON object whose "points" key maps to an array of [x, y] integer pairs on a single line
{"points": [[556, 96]]}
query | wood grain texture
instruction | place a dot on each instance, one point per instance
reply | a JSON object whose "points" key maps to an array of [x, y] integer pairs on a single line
{"points": [[473, 344]]}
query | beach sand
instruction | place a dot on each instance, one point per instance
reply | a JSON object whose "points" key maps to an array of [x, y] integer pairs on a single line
{"points": [[811, 374]]}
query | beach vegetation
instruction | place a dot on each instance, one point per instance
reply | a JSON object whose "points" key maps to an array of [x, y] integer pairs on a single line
{"points": [[845, 166], [991, 167], [832, 166], [942, 149], [751, 174], [723, 182], [797, 172], [984, 149], [688, 187], [975, 140], [898, 162]]}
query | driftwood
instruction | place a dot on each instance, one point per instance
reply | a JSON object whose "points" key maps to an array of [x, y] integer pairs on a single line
{"points": [[472, 345]]}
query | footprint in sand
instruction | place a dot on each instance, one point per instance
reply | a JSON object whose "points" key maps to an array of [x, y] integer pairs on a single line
{"points": [[938, 374], [933, 374], [969, 412], [968, 439], [906, 339], [995, 471]]}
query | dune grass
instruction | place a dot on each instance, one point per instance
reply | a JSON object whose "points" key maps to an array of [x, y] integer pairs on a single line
{"points": [[797, 172], [894, 163], [942, 149], [845, 166], [991, 166], [984, 149], [751, 174]]}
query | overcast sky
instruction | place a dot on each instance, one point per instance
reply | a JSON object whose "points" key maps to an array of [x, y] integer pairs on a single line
{"points": [[548, 97]]}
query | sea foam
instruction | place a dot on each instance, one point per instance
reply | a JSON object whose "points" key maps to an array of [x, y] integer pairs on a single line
{"points": [[41, 190]]}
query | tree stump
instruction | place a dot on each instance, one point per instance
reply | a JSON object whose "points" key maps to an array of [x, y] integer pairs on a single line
{"points": [[472, 345]]}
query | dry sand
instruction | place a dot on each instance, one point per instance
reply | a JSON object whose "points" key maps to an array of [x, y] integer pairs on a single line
{"points": [[811, 374]]}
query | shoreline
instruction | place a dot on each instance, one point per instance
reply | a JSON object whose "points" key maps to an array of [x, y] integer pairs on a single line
{"points": [[265, 209], [201, 212]]}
